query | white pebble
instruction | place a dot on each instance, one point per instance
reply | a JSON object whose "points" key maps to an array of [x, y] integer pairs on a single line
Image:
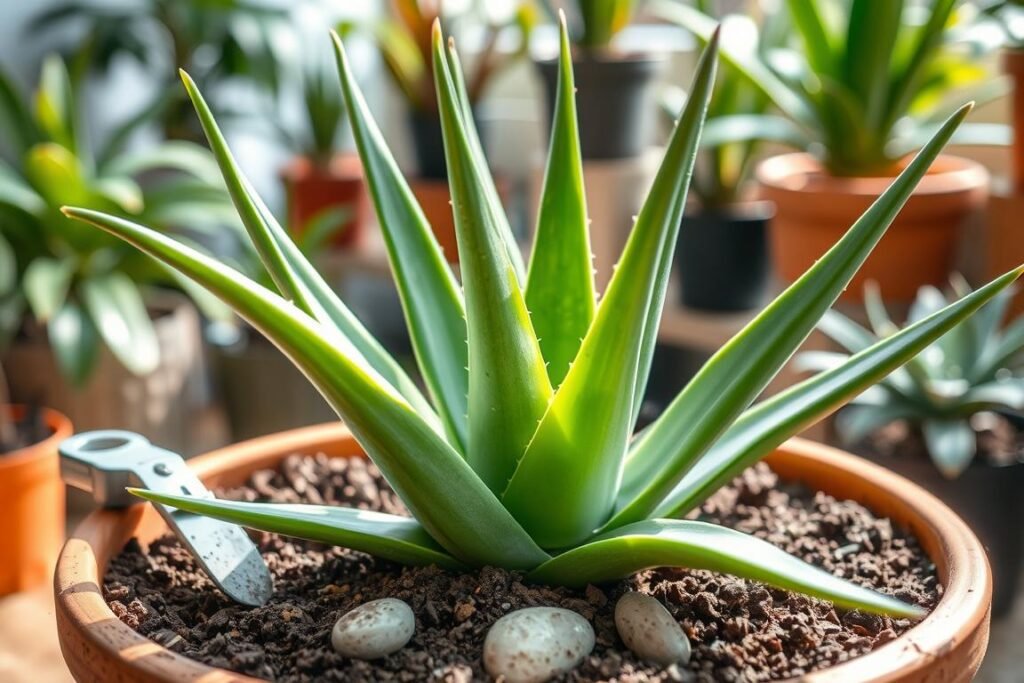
{"points": [[648, 629], [374, 629], [536, 644]]}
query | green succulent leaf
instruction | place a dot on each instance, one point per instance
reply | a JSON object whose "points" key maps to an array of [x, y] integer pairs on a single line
{"points": [[431, 298], [420, 466], [17, 194], [119, 312], [765, 426], [297, 279], [75, 343], [56, 174], [952, 444], [738, 372], [19, 126], [175, 155], [698, 545], [584, 433], [560, 285], [55, 104], [46, 282], [390, 537], [508, 383]]}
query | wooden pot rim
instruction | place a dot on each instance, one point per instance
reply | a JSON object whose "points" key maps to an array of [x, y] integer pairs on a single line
{"points": [[801, 174], [949, 643], [60, 429]]}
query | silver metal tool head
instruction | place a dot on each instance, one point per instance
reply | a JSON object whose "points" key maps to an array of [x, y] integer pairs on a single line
{"points": [[106, 462]]}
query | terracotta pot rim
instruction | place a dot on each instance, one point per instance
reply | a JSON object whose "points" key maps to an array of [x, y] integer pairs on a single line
{"points": [[1013, 59], [343, 166], [60, 429], [799, 173], [958, 626]]}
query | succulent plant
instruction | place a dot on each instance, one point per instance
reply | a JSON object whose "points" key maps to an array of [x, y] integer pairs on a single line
{"points": [[86, 288], [524, 456], [597, 21], [973, 368], [864, 82]]}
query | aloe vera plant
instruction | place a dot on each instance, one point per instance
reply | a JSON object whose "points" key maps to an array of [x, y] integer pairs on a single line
{"points": [[598, 21], [522, 454], [976, 367]]}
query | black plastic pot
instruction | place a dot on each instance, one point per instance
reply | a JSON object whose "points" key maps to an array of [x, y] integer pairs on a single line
{"points": [[428, 143], [615, 100], [991, 500], [722, 257]]}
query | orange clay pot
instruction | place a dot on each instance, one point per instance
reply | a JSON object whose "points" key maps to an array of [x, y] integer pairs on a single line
{"points": [[1013, 65], [815, 209], [435, 200], [312, 189], [948, 645], [31, 506]]}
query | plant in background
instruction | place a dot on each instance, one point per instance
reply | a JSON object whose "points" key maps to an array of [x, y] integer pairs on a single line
{"points": [[867, 82], [738, 121], [215, 41], [1009, 16], [86, 287], [523, 456], [973, 368], [403, 38], [596, 22]]}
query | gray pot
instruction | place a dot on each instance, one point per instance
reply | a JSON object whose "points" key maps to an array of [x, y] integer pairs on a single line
{"points": [[615, 100]]}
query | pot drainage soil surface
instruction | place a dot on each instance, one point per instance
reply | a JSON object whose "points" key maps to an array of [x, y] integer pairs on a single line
{"points": [[740, 630]]}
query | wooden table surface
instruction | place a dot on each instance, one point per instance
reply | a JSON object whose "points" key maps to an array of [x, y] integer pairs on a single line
{"points": [[29, 651]]}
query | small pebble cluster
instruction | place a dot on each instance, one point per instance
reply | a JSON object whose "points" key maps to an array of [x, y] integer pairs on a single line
{"points": [[530, 645]]}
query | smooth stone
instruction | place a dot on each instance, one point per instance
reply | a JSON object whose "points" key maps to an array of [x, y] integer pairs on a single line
{"points": [[536, 644], [650, 631], [373, 630]]}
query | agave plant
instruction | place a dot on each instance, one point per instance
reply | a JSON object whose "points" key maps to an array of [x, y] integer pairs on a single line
{"points": [[597, 21], [85, 288], [523, 456], [976, 367], [866, 81]]}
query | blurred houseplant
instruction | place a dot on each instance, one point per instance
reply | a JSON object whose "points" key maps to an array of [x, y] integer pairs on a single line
{"points": [[218, 41], [615, 82], [31, 491], [325, 186], [958, 405], [722, 253], [866, 84], [96, 331], [403, 39]]}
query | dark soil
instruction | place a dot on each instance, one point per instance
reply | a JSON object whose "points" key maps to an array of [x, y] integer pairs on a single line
{"points": [[30, 430], [740, 630]]}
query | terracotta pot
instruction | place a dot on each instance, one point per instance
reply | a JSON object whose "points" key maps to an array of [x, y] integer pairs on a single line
{"points": [[162, 405], [31, 506], [313, 189], [1004, 240], [1013, 65], [948, 645], [815, 209], [435, 200]]}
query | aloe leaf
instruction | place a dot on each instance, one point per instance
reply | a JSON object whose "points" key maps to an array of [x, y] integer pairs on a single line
{"points": [[116, 307], [296, 278], [740, 57], [583, 436], [389, 537], [814, 34], [19, 127], [176, 155], [765, 426], [873, 28], [738, 372], [699, 545], [431, 298], [55, 106], [420, 466], [560, 284], [487, 181], [508, 383]]}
